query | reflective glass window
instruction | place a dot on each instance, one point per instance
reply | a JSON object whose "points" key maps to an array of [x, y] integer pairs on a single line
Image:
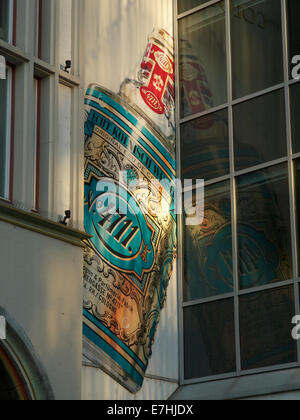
{"points": [[202, 60]]}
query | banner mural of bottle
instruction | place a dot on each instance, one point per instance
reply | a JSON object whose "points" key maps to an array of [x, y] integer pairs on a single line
{"points": [[129, 149]]}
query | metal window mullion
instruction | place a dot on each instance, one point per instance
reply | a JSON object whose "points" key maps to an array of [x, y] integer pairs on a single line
{"points": [[214, 181], [290, 161], [295, 156], [232, 188], [8, 138], [179, 217], [10, 22]]}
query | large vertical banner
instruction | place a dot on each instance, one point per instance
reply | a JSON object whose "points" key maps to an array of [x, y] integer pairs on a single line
{"points": [[129, 210]]}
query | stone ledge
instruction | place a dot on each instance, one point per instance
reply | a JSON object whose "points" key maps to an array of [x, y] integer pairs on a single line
{"points": [[38, 224]]}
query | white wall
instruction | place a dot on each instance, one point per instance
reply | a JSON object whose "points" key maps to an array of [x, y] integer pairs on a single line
{"points": [[63, 155], [41, 289], [115, 35]]}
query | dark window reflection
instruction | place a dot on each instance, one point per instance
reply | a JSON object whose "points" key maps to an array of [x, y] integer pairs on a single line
{"points": [[264, 237], [208, 248], [293, 8], [184, 5], [260, 130], [209, 339], [5, 19], [265, 328], [295, 112], [256, 45], [202, 60], [205, 147]]}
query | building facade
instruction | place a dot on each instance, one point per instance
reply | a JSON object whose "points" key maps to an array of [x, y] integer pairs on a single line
{"points": [[225, 329], [41, 163]]}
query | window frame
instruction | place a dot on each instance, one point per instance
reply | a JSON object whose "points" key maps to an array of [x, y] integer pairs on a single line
{"points": [[289, 159], [10, 131]]}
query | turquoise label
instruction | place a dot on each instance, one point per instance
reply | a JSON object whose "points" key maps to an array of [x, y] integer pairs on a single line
{"points": [[119, 228]]}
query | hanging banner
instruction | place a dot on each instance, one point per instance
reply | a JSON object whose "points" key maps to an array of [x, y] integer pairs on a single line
{"points": [[129, 213]]}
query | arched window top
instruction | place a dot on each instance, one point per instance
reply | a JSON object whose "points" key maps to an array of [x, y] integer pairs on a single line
{"points": [[22, 376]]}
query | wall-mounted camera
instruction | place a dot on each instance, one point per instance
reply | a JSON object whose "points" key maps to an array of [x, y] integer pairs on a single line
{"points": [[64, 220]]}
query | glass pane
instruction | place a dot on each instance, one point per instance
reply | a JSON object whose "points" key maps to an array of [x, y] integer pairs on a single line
{"points": [[260, 130], [184, 5], [295, 110], [4, 136], [293, 8], [208, 248], [202, 60], [5, 20], [257, 60], [209, 339], [265, 328], [264, 237], [205, 147]]}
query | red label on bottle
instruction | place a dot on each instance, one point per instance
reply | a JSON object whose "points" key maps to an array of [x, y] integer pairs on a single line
{"points": [[157, 69]]}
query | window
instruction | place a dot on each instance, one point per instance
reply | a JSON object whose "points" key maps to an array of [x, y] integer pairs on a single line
{"points": [[293, 9], [6, 134], [239, 131], [6, 20]]}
